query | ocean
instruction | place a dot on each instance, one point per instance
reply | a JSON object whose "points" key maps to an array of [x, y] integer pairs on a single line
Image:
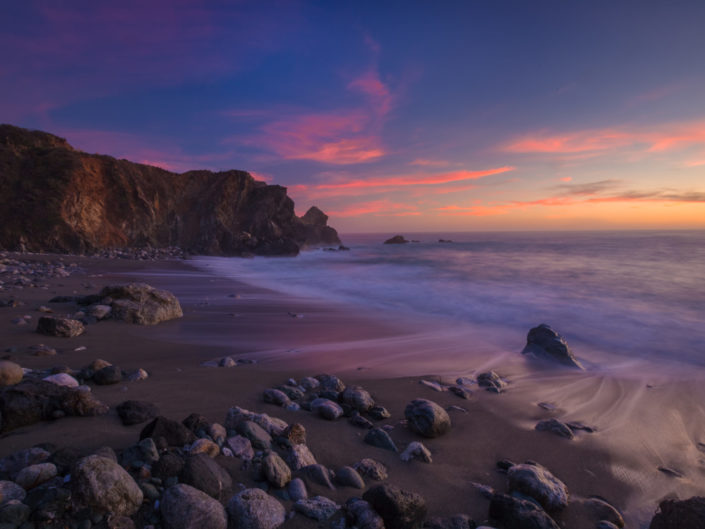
{"points": [[627, 294]]}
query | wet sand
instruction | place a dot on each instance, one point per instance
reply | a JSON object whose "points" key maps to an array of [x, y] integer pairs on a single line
{"points": [[645, 417]]}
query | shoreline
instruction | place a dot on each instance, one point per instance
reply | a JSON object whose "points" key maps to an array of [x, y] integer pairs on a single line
{"points": [[617, 462]]}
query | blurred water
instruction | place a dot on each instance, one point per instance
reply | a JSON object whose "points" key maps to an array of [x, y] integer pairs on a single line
{"points": [[627, 293]]}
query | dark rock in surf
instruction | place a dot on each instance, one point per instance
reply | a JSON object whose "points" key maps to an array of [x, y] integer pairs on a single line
{"points": [[400, 509], [517, 513], [556, 427], [397, 239], [543, 342]]}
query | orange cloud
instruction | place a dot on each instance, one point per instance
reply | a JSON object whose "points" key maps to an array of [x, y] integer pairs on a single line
{"points": [[382, 208], [566, 179]]}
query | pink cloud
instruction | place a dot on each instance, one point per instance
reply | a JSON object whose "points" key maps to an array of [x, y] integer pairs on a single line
{"points": [[566, 179], [429, 163], [382, 208], [659, 138]]}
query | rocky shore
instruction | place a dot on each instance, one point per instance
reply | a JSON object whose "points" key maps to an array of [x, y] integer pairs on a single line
{"points": [[138, 421]]}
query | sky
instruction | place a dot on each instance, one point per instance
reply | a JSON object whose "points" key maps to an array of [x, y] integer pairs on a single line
{"points": [[388, 115]]}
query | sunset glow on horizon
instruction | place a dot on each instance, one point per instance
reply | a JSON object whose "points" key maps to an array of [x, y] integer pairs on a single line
{"points": [[388, 116]]}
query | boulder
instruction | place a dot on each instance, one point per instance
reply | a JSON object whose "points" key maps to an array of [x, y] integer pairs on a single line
{"points": [[517, 513], [259, 438], [241, 447], [538, 483], [184, 507], [141, 304], [10, 373], [319, 474], [357, 398], [11, 465], [297, 489], [173, 432], [105, 486], [276, 397], [275, 470], [317, 508], [170, 465], [61, 327], [205, 474], [427, 418], [294, 434], [397, 239], [381, 439], [32, 401], [136, 412], [329, 383], [9, 490], [13, 514], [400, 509], [679, 514], [255, 509], [205, 446], [543, 342]]}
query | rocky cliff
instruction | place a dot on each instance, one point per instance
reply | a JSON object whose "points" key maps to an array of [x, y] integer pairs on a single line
{"points": [[55, 198]]}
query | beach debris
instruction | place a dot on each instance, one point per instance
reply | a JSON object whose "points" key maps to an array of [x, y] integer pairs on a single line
{"points": [[255, 509], [672, 472], [318, 508], [400, 509], [679, 514], [556, 427], [61, 327], [435, 386], [543, 342], [381, 439], [427, 418], [10, 373], [538, 483], [416, 450], [491, 381], [518, 512], [186, 507]]}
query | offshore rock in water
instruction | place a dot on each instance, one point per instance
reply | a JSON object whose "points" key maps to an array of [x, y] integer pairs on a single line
{"points": [[544, 342], [397, 239]]}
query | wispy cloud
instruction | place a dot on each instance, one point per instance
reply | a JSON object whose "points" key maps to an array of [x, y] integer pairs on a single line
{"points": [[429, 163], [386, 208]]}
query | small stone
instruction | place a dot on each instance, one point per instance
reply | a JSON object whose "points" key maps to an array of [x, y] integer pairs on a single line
{"points": [[136, 411], [62, 327], [372, 469], [400, 509], [491, 382], [99, 312], [538, 483], [204, 473], [349, 477], [518, 512], [10, 373], [184, 507], [318, 508], [259, 438], [276, 470], [34, 475], [13, 514], [227, 361], [105, 486], [416, 450], [277, 397], [330, 383], [427, 418], [108, 375], [357, 398], [205, 446], [319, 474], [241, 447], [218, 433], [309, 383], [327, 409], [461, 392], [299, 456], [360, 514], [556, 427], [297, 489], [136, 376], [294, 434], [381, 439], [9, 490], [62, 379], [435, 386], [379, 413]]}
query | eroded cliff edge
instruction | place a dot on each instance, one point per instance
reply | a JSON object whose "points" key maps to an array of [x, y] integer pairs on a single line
{"points": [[58, 199]]}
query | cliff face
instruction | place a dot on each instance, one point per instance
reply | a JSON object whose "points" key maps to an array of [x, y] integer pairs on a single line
{"points": [[55, 198]]}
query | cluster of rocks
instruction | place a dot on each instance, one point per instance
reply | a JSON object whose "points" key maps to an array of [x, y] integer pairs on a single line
{"points": [[328, 397], [488, 380], [29, 396], [134, 303], [18, 274], [146, 253]]}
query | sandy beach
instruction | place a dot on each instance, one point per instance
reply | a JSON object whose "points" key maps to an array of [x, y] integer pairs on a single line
{"points": [[644, 417]]}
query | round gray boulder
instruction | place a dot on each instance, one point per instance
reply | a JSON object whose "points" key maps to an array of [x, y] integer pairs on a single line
{"points": [[427, 418], [255, 509], [105, 486], [184, 507]]}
